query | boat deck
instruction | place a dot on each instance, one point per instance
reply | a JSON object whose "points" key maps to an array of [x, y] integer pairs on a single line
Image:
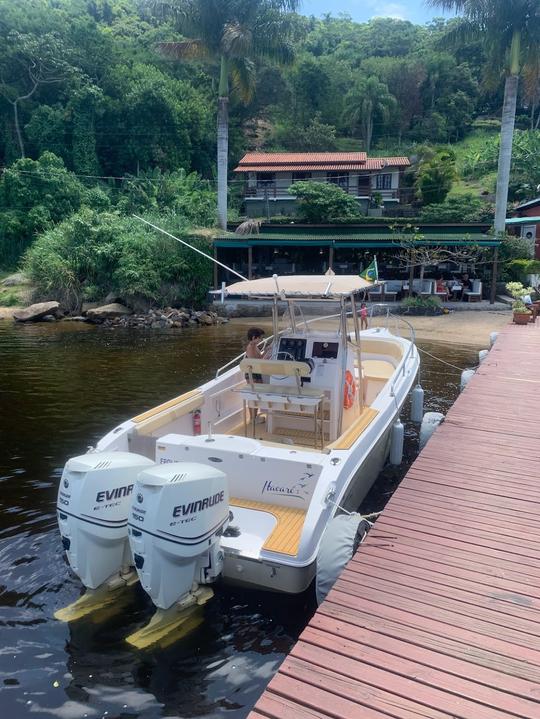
{"points": [[438, 614]]}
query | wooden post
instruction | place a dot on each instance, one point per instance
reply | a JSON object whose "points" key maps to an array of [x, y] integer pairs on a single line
{"points": [[331, 258], [250, 262], [215, 269], [494, 276]]}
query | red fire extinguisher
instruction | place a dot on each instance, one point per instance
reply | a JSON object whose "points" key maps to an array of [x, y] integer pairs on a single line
{"points": [[196, 421]]}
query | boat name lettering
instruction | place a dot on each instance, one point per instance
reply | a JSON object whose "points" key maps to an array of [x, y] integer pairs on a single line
{"points": [[65, 494], [296, 490], [198, 505], [116, 493], [64, 501], [137, 517], [163, 460]]}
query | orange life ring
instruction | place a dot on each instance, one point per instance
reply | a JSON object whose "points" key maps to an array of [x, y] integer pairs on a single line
{"points": [[349, 390]]}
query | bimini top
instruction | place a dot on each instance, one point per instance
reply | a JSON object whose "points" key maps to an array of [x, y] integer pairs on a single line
{"points": [[306, 286]]}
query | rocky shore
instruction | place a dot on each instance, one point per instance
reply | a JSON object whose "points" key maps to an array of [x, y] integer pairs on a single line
{"points": [[118, 315]]}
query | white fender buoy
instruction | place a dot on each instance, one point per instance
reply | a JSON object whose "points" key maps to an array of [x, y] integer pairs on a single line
{"points": [[417, 404], [482, 355], [466, 377], [429, 424], [493, 338], [396, 443], [340, 540]]}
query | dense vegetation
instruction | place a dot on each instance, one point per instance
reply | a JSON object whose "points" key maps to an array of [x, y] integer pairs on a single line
{"points": [[97, 124]]}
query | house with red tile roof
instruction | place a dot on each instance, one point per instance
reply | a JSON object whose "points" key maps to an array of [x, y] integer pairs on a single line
{"points": [[269, 175]]}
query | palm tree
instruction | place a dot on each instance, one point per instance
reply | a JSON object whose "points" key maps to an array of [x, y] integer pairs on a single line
{"points": [[369, 97], [233, 33], [510, 31]]}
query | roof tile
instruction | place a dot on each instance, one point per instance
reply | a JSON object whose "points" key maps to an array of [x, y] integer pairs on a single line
{"points": [[314, 161]]}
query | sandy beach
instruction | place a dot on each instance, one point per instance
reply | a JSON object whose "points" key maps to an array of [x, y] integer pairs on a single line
{"points": [[464, 328]]}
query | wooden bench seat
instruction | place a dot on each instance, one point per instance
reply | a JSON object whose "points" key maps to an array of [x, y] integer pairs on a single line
{"points": [[285, 537]]}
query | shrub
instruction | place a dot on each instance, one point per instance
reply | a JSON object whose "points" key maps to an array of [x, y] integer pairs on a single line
{"points": [[91, 254], [435, 177], [458, 208], [323, 202], [422, 304], [519, 269], [34, 195]]}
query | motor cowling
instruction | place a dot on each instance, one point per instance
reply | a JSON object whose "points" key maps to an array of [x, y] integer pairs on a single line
{"points": [[179, 512], [94, 499]]}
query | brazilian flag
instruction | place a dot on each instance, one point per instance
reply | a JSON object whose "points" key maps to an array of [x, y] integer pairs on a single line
{"points": [[371, 273]]}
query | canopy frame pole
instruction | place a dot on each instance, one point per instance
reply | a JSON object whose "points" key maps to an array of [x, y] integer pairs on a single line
{"points": [[275, 326], [344, 348], [358, 353]]}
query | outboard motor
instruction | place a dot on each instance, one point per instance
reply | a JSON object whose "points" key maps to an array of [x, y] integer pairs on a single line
{"points": [[94, 498], [179, 512]]}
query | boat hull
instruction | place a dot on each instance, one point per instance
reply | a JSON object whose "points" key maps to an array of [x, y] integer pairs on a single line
{"points": [[279, 577]]}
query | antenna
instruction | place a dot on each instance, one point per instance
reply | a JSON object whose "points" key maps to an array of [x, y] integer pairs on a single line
{"points": [[183, 242]]}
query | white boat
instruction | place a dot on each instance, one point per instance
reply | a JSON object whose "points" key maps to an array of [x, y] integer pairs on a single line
{"points": [[193, 489]]}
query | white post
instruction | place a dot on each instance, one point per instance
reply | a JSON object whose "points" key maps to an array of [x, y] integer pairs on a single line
{"points": [[223, 285]]}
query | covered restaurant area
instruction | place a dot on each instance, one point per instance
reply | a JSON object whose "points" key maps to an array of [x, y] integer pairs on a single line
{"points": [[349, 249]]}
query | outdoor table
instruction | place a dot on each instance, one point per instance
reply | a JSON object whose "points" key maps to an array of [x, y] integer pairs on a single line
{"points": [[456, 290]]}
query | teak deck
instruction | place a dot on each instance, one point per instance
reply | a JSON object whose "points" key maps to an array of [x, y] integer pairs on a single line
{"points": [[438, 614]]}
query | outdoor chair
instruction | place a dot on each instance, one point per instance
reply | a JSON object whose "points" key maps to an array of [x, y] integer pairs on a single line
{"points": [[376, 293], [392, 289], [427, 288], [474, 295]]}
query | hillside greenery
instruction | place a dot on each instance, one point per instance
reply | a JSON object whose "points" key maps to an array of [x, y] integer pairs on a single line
{"points": [[98, 125]]}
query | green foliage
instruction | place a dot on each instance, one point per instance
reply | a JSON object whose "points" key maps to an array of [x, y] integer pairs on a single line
{"points": [[91, 254], [316, 136], [430, 304], [323, 202], [518, 291], [182, 194], [435, 177], [519, 269], [369, 100], [9, 298], [34, 195], [458, 208]]}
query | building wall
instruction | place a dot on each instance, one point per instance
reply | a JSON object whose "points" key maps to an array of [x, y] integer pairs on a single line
{"points": [[532, 212]]}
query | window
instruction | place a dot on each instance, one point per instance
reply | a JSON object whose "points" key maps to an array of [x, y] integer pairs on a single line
{"points": [[266, 179], [341, 179], [384, 182], [301, 176]]}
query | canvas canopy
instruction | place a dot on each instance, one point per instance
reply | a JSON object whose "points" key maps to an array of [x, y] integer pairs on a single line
{"points": [[300, 286]]}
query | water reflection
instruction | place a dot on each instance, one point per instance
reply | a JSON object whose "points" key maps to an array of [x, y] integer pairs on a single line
{"points": [[61, 388]]}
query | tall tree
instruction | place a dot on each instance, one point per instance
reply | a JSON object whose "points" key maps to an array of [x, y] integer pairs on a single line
{"points": [[368, 99], [510, 31], [234, 33]]}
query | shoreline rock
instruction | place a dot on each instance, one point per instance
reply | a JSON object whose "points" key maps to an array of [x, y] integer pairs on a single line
{"points": [[166, 318], [38, 312]]}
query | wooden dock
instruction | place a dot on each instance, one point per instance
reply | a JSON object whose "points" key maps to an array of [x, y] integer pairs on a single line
{"points": [[438, 614]]}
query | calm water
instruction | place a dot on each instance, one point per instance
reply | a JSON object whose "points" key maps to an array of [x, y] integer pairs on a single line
{"points": [[61, 388]]}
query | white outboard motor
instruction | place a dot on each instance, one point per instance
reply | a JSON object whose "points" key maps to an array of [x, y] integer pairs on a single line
{"points": [[93, 503], [179, 512]]}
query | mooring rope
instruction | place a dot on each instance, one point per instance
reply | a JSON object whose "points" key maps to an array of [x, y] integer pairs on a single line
{"points": [[460, 369]]}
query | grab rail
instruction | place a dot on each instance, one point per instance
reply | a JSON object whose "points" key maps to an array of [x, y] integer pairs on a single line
{"points": [[389, 315]]}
